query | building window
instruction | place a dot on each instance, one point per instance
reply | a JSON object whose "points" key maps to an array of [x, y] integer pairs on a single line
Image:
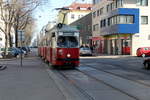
{"points": [[108, 21], [79, 16], [89, 8], [97, 12], [142, 2], [129, 19], [112, 6], [125, 19], [96, 1], [103, 23], [94, 14], [120, 19], [108, 8], [72, 16], [78, 8], [101, 11], [0, 39], [148, 37], [95, 27], [89, 27], [144, 19], [119, 3]]}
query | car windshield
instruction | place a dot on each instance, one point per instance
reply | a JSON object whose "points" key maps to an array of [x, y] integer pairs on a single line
{"points": [[146, 48], [67, 41]]}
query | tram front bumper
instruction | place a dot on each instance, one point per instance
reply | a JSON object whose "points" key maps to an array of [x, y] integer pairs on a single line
{"points": [[68, 61]]}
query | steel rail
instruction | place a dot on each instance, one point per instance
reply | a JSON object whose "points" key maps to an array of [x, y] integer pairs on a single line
{"points": [[124, 77], [117, 89], [76, 86]]}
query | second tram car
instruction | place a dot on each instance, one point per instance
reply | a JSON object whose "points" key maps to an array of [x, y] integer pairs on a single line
{"points": [[60, 46]]}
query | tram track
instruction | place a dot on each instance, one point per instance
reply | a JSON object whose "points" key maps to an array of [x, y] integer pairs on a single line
{"points": [[117, 89], [76, 86], [121, 76], [127, 68], [98, 80]]}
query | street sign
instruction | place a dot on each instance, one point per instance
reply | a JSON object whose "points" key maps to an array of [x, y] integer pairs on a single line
{"points": [[21, 36]]}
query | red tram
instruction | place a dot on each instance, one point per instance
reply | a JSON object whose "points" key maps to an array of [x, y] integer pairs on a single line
{"points": [[60, 46]]}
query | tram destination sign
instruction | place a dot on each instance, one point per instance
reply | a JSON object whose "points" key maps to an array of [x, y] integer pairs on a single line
{"points": [[68, 34]]}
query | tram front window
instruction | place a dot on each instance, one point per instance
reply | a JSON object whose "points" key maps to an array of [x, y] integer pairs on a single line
{"points": [[67, 41]]}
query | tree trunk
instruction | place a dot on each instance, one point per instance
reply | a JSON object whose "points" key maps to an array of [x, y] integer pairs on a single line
{"points": [[6, 45], [16, 30], [9, 35], [16, 35]]}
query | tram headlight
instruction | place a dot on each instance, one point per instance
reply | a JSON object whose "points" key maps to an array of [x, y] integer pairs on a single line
{"points": [[60, 51], [68, 55]]}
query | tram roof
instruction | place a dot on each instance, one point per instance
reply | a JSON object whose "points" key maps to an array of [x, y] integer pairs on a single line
{"points": [[67, 28]]}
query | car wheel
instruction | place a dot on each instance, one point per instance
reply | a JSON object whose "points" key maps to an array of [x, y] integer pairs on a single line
{"points": [[146, 65]]}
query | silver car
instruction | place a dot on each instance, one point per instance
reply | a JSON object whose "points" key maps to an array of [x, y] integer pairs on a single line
{"points": [[85, 51]]}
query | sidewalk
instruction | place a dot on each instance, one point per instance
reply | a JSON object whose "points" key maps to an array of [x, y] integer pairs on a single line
{"points": [[29, 82]]}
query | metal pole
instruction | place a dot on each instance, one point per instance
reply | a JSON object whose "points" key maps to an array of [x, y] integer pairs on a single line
{"points": [[21, 47]]}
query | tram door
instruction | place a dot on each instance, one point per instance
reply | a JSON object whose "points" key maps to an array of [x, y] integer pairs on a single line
{"points": [[53, 49]]}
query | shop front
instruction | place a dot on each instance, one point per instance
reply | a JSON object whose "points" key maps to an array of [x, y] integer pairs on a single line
{"points": [[118, 44], [98, 45]]}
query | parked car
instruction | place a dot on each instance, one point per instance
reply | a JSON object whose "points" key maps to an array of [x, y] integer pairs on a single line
{"points": [[143, 51], [12, 52], [85, 51], [26, 50]]}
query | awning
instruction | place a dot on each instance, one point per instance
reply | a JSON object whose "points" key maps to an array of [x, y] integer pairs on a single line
{"points": [[96, 38]]}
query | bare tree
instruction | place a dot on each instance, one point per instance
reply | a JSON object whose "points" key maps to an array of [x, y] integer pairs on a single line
{"points": [[7, 10], [29, 30], [23, 15], [15, 15]]}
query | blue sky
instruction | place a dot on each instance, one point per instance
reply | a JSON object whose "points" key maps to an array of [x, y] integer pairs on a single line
{"points": [[46, 12]]}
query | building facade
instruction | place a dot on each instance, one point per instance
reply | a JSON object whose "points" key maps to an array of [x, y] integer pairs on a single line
{"points": [[120, 26], [85, 28], [2, 40], [75, 11]]}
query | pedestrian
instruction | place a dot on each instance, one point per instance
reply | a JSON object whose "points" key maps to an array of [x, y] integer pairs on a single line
{"points": [[116, 51], [91, 47]]}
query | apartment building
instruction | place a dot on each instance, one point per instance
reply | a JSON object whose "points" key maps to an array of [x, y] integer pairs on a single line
{"points": [[84, 25], [120, 26], [75, 11]]}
